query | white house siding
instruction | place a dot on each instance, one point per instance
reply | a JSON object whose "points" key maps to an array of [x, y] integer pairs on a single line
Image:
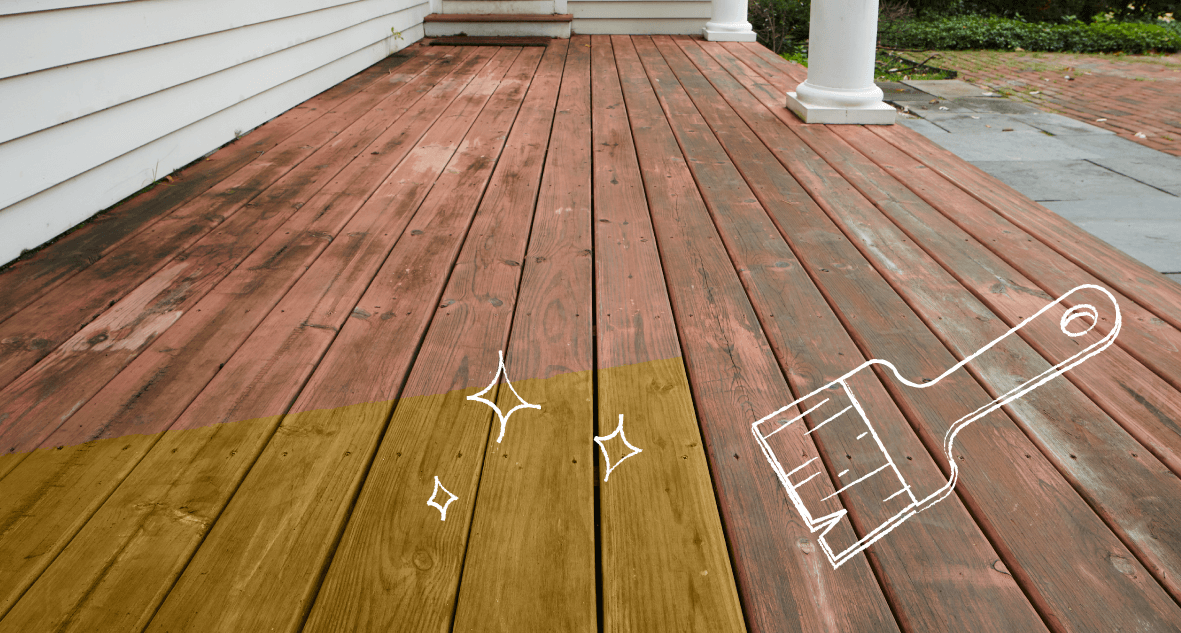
{"points": [[634, 18], [99, 99]]}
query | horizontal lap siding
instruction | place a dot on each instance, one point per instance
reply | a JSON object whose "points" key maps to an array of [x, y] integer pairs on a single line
{"points": [[100, 101], [630, 17]]}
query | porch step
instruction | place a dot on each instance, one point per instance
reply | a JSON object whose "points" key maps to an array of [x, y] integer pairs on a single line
{"points": [[464, 40], [498, 24], [506, 7]]}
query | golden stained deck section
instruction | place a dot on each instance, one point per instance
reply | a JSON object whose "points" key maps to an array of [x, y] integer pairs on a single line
{"points": [[223, 406]]}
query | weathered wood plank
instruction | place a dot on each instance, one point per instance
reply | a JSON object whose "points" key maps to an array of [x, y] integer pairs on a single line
{"points": [[1153, 342], [736, 380], [1134, 493], [260, 380], [975, 595], [263, 561], [1137, 497], [1147, 407], [530, 562], [381, 583], [664, 558], [250, 244], [29, 277], [1001, 470], [266, 188], [1117, 270]]}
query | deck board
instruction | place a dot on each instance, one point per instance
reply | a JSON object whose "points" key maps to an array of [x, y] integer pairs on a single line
{"points": [[976, 595], [223, 406], [663, 549]]}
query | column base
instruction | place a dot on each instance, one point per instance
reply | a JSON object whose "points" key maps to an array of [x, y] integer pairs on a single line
{"points": [[713, 35], [875, 114]]}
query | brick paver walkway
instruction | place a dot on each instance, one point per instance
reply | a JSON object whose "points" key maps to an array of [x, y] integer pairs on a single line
{"points": [[1137, 97]]}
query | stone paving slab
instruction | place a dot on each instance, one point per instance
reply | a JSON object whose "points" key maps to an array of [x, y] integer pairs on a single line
{"points": [[946, 88], [1150, 227], [1014, 146], [924, 127], [1067, 180], [983, 123], [1057, 124], [1163, 175], [898, 91], [1132, 94], [991, 104]]}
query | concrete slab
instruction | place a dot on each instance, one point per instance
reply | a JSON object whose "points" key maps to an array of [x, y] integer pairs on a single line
{"points": [[897, 91], [946, 88], [968, 123], [923, 126], [1067, 180], [999, 106], [1148, 229], [1012, 146], [1174, 276], [1057, 124], [1163, 172]]}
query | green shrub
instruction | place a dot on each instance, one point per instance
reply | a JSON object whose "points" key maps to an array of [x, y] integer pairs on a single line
{"points": [[781, 25], [973, 32]]}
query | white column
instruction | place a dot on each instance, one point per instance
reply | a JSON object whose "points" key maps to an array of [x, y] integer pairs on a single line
{"points": [[728, 23], [842, 44]]}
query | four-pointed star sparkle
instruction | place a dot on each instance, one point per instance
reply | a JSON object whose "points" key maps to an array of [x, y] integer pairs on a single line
{"points": [[607, 456]]}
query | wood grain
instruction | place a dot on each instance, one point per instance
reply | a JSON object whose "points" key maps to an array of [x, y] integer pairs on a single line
{"points": [[993, 449], [26, 279], [260, 380], [977, 595], [665, 564], [736, 381], [308, 475], [235, 211]]}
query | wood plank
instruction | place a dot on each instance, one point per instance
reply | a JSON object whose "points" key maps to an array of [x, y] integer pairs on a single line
{"points": [[34, 274], [282, 176], [66, 379], [1147, 407], [1153, 342], [735, 381], [1117, 270], [286, 518], [260, 380], [976, 595], [471, 40], [664, 558], [1128, 492], [1002, 468], [530, 561]]}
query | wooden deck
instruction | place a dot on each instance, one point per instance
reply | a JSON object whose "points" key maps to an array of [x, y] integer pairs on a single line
{"points": [[225, 405]]}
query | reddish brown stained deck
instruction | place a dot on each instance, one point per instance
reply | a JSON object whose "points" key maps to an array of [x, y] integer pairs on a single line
{"points": [[224, 405]]}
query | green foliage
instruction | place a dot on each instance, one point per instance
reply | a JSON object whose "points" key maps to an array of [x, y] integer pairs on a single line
{"points": [[782, 25], [973, 32]]}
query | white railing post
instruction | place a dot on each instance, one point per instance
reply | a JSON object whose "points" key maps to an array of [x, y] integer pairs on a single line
{"points": [[842, 45], [728, 22]]}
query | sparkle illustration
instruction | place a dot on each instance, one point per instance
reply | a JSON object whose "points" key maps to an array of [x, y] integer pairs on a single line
{"points": [[607, 456], [435, 495], [479, 397]]}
